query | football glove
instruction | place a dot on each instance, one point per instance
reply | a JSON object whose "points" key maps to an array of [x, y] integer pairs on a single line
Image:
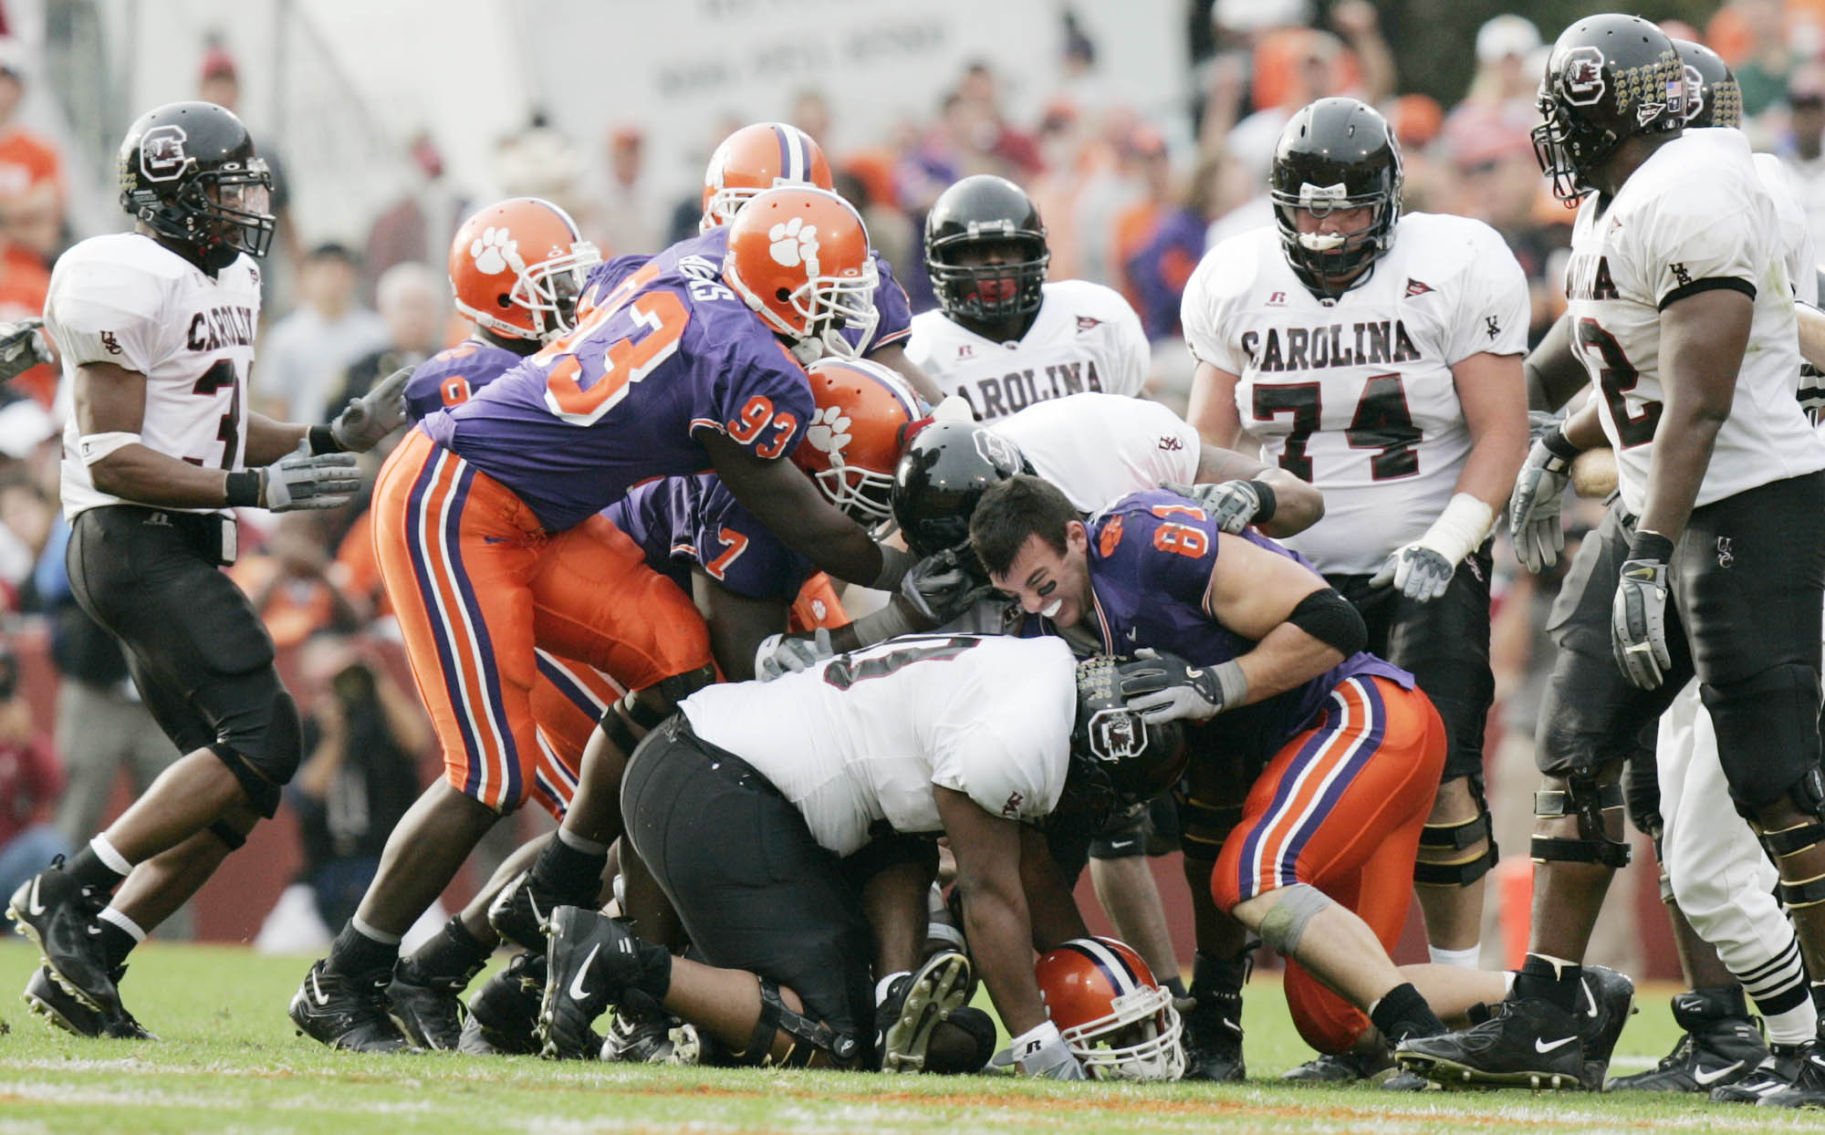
{"points": [[1533, 509], [1043, 1053], [22, 347], [941, 587], [1638, 615], [301, 480], [1162, 687], [367, 420], [1416, 571], [1233, 505], [784, 654]]}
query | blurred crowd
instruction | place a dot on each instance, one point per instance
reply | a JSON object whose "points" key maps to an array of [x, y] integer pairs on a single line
{"points": [[1128, 202]]}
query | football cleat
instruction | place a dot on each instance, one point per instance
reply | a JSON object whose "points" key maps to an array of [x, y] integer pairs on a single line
{"points": [[1342, 1067], [520, 911], [917, 1003], [590, 963], [57, 913], [1529, 1043], [427, 1011], [504, 1013], [1720, 1046], [1776, 1072], [61, 1008], [639, 1037], [1213, 1030], [1606, 999], [1808, 1086], [346, 1012]]}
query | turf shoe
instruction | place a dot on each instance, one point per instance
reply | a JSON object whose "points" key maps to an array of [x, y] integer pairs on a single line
{"points": [[1776, 1071], [346, 1012], [592, 962], [58, 913], [61, 1008], [1808, 1087], [1720, 1046], [1529, 1043], [915, 1004], [504, 1013], [427, 1009], [1606, 999], [1342, 1067]]}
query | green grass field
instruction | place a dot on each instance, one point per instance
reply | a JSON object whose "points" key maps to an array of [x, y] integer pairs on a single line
{"points": [[229, 1061]]}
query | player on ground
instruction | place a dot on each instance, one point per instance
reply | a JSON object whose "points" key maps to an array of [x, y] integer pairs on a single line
{"points": [[1681, 310], [1378, 355], [1002, 337], [490, 545], [156, 331]]}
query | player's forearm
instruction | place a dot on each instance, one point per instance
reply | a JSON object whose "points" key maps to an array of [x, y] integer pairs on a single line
{"points": [[1297, 505], [1584, 429], [267, 440], [145, 476], [1495, 458], [1286, 658], [1000, 935], [1682, 453], [1553, 371], [1051, 909]]}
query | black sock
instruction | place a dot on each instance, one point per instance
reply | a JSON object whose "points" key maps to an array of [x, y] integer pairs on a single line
{"points": [[574, 876], [1403, 1013], [1211, 974], [1557, 982], [1175, 985], [116, 943], [354, 954], [88, 870], [454, 955], [1817, 989]]}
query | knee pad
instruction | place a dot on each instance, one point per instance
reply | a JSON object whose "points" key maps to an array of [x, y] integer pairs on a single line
{"points": [[1443, 861], [1204, 826], [1808, 795], [1777, 713], [234, 840], [619, 733], [1123, 837], [809, 1037], [1584, 798], [1641, 793], [1285, 924]]}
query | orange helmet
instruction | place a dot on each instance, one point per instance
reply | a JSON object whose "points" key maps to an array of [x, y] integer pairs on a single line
{"points": [[799, 257], [865, 416], [1118, 1021], [754, 159], [516, 268]]}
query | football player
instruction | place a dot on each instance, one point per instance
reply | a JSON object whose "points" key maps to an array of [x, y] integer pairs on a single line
{"points": [[22, 347], [490, 545], [156, 330], [1003, 337], [1710, 564], [1338, 750], [1377, 355], [760, 808]]}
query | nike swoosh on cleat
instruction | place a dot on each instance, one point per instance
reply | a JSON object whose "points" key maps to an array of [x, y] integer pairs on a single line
{"points": [[1589, 996], [1708, 1076], [1542, 1045], [33, 907], [576, 990], [317, 993]]}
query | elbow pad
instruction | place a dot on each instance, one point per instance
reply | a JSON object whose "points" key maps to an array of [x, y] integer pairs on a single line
{"points": [[1329, 618]]}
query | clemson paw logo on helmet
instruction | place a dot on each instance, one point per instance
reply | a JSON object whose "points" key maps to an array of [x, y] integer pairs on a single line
{"points": [[495, 251], [793, 243], [829, 432]]}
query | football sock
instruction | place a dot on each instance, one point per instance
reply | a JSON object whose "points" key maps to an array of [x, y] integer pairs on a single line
{"points": [[118, 934], [570, 872], [357, 953], [98, 865], [1466, 958], [453, 954], [1403, 1013], [1550, 979]]}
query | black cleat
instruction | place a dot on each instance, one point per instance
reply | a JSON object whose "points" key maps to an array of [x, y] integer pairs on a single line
{"points": [[427, 1011], [520, 912], [1775, 1072], [58, 913], [346, 1012], [1213, 1026], [1721, 1045], [1606, 999], [1342, 1067], [1808, 1087], [61, 1008], [639, 1037], [590, 963], [504, 1013], [1527, 1043], [915, 1005]]}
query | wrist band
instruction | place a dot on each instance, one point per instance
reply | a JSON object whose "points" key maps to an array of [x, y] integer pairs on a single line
{"points": [[1644, 545], [1559, 445], [323, 440], [242, 489], [1268, 502]]}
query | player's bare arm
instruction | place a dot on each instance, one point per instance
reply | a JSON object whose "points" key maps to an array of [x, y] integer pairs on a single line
{"points": [[1702, 340], [111, 402], [1212, 411], [269, 440], [1050, 905], [1253, 592], [1812, 333], [1297, 504], [995, 914], [1554, 374], [1490, 388], [737, 624]]}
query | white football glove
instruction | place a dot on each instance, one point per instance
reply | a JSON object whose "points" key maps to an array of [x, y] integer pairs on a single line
{"points": [[1416, 571], [22, 347], [1042, 1053], [780, 654], [1533, 509], [303, 480], [367, 420], [1232, 504]]}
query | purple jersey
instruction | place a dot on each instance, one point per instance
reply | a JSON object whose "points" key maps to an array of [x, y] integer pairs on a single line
{"points": [[450, 377], [682, 521], [621, 399], [1151, 558], [893, 325]]}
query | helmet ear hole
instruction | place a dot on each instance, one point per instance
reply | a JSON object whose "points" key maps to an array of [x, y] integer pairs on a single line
{"points": [[783, 295]]}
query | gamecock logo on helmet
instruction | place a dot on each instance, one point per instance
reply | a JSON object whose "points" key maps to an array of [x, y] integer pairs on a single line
{"points": [[997, 450], [161, 153], [1582, 76]]}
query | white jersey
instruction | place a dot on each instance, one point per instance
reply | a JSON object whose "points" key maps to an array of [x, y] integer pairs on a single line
{"points": [[1693, 216], [126, 299], [1098, 448], [1356, 395], [1796, 235], [1085, 337], [863, 737]]}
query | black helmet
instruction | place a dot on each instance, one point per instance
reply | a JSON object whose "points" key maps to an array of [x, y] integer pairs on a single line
{"points": [[1335, 154], [980, 210], [1117, 758], [1713, 96], [1610, 78], [188, 171], [943, 473]]}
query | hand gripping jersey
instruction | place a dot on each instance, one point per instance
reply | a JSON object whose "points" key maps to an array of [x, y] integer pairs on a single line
{"points": [[452, 376], [1151, 558], [1356, 395], [1085, 337], [127, 300], [1695, 215], [863, 737], [1100, 447], [890, 302], [666, 353]]}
